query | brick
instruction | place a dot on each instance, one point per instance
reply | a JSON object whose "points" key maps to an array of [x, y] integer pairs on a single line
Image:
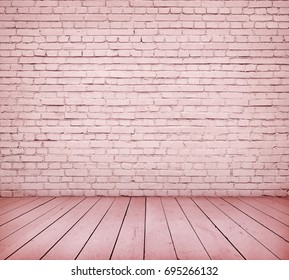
{"points": [[80, 186], [155, 98], [56, 158], [261, 102], [31, 158], [101, 158], [53, 101], [122, 130], [261, 18], [262, 4]]}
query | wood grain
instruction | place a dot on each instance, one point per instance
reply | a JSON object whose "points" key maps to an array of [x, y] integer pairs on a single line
{"points": [[136, 228], [130, 243], [101, 243], [248, 246], [278, 246], [217, 246], [69, 246], [158, 241], [186, 242]]}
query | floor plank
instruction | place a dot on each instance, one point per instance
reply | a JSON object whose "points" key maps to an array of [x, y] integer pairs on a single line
{"points": [[18, 239], [13, 214], [130, 243], [283, 200], [137, 228], [101, 243], [275, 204], [39, 245], [248, 246], [16, 204], [25, 219], [278, 246], [270, 223], [80, 233], [6, 201], [217, 246], [158, 241], [269, 211], [187, 244]]}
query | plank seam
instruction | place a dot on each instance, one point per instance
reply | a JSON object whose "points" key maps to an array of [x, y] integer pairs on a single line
{"points": [[193, 228], [69, 228], [266, 213], [95, 229], [243, 228], [124, 216], [169, 229], [249, 216], [218, 229], [27, 210], [42, 230]]}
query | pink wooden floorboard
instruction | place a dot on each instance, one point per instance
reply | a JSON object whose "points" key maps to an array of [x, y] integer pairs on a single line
{"points": [[158, 241], [12, 206], [65, 249], [248, 246], [15, 241], [149, 228], [269, 211], [23, 220], [265, 220], [7, 201], [130, 243], [101, 243], [13, 214], [278, 246], [38, 246], [283, 200], [275, 204], [217, 246], [186, 242]]}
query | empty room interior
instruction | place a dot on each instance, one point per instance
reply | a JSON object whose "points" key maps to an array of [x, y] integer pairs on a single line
{"points": [[144, 130]]}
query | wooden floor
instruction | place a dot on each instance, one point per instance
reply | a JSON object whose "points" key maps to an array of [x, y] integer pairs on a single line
{"points": [[144, 228]]}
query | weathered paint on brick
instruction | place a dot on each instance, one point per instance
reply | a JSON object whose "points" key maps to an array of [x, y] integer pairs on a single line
{"points": [[144, 97]]}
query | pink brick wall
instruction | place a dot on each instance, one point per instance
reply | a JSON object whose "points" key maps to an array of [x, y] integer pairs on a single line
{"points": [[144, 97]]}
